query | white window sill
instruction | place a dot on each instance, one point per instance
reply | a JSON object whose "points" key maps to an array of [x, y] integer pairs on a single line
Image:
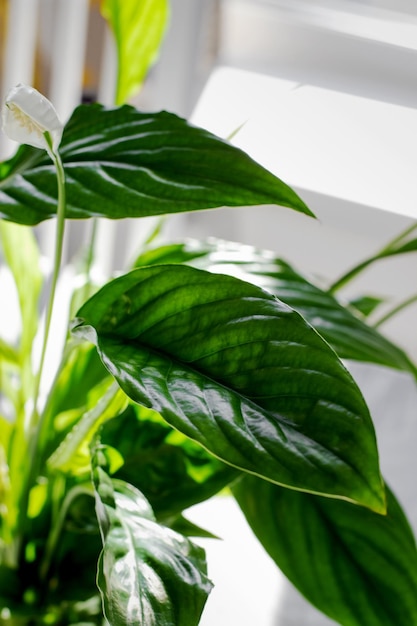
{"points": [[332, 144], [353, 160]]}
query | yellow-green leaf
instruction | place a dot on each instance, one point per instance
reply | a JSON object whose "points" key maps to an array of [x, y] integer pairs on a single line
{"points": [[138, 27]]}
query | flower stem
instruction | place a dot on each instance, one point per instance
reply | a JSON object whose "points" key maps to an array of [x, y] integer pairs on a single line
{"points": [[89, 260], [59, 239], [402, 305], [392, 248], [35, 423]]}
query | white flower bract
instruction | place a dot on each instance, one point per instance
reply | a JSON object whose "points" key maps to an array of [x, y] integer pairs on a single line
{"points": [[28, 115]]}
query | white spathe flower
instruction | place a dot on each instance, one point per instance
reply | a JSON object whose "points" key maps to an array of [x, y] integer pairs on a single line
{"points": [[28, 115]]}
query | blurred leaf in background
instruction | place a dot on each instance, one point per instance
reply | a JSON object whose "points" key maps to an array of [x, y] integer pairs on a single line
{"points": [[138, 28]]}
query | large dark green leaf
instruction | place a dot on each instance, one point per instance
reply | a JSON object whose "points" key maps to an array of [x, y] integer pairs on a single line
{"points": [[138, 27], [148, 574], [230, 366], [123, 163], [348, 334], [354, 565], [172, 471]]}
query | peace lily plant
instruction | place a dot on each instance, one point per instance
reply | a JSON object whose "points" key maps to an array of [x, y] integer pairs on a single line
{"points": [[180, 378]]}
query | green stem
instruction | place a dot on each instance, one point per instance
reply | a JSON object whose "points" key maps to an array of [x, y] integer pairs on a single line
{"points": [[59, 240], [345, 278], [402, 305], [388, 250], [45, 416], [35, 424], [89, 260]]}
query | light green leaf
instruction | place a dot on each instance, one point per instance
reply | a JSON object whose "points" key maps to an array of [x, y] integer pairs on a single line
{"points": [[348, 334], [233, 368], [138, 27], [22, 255], [6, 428], [354, 565], [148, 574], [8, 353], [78, 387], [72, 455], [123, 163]]}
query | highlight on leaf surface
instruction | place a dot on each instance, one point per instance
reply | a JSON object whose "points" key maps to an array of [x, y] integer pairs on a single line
{"points": [[348, 334]]}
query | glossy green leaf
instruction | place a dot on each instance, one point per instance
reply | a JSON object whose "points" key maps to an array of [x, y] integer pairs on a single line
{"points": [[123, 163], [233, 368], [172, 471], [138, 27], [354, 565], [148, 574], [347, 333]]}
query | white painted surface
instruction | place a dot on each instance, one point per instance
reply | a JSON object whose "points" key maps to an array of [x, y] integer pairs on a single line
{"points": [[322, 141], [248, 585], [353, 160]]}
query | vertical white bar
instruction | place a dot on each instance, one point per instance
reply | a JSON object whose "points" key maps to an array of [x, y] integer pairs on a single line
{"points": [[68, 55], [20, 43], [19, 57], [67, 60], [108, 73], [178, 75], [107, 230]]}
